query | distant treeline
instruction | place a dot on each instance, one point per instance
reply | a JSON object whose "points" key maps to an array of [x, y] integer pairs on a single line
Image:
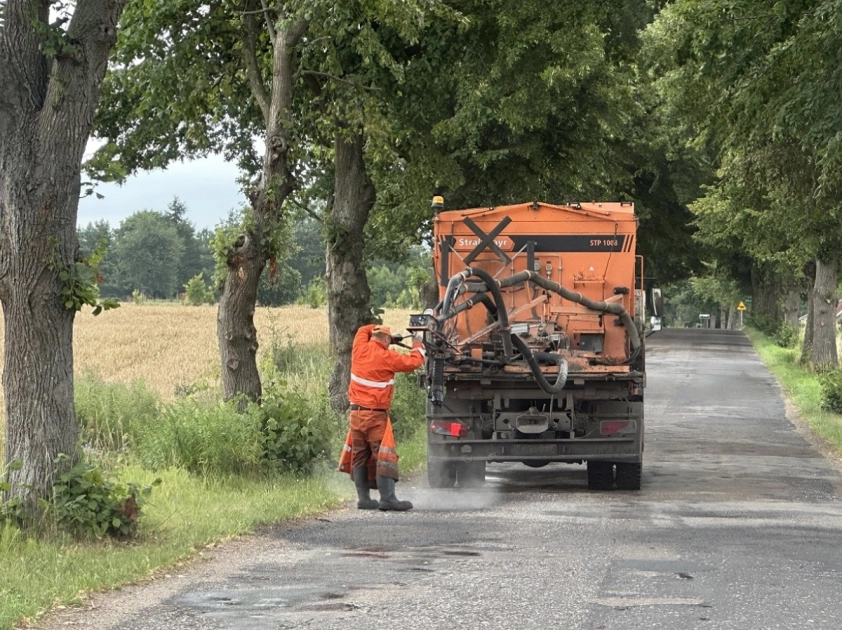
{"points": [[156, 254]]}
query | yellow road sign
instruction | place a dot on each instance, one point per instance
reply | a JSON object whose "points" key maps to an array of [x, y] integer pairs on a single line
{"points": [[741, 307]]}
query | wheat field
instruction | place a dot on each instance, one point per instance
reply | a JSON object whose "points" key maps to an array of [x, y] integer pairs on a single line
{"points": [[171, 346]]}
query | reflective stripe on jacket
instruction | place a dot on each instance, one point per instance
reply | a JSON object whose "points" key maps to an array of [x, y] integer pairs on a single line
{"points": [[373, 368]]}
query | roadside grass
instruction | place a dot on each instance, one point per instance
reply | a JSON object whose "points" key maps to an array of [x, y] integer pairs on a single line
{"points": [[183, 516], [131, 371], [802, 387]]}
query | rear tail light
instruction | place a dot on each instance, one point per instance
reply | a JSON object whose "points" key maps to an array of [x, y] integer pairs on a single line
{"points": [[453, 429], [617, 427]]}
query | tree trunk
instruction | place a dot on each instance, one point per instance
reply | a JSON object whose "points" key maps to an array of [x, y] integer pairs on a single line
{"points": [[792, 307], [46, 114], [429, 293], [807, 344], [733, 318], [246, 258], [723, 316], [347, 286], [766, 298], [235, 330], [824, 316]]}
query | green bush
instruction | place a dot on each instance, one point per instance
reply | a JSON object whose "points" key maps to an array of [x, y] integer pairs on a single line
{"points": [[409, 406], [786, 336], [196, 292], [831, 386], [202, 438], [111, 416], [766, 324], [294, 434], [87, 503], [316, 295]]}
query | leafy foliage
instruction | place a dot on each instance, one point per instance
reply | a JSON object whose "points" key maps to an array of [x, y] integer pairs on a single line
{"points": [[294, 436], [831, 384], [786, 335], [409, 406], [196, 292], [149, 248], [80, 280], [88, 503]]}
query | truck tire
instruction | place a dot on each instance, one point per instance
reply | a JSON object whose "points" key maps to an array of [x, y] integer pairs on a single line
{"points": [[441, 475], [470, 474], [628, 476], [600, 475]]}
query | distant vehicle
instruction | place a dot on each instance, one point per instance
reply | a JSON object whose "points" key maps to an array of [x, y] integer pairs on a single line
{"points": [[535, 353]]}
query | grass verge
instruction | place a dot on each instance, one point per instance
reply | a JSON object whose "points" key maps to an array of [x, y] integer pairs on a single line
{"points": [[802, 387], [185, 514]]}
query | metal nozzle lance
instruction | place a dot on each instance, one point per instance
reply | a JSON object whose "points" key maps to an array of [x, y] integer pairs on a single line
{"points": [[438, 203]]}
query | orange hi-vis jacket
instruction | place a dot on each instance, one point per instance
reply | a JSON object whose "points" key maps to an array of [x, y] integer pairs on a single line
{"points": [[373, 368]]}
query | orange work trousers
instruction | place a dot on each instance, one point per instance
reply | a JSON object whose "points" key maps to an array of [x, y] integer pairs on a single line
{"points": [[370, 444]]}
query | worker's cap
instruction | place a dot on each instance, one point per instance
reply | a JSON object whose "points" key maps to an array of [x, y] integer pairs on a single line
{"points": [[382, 330]]}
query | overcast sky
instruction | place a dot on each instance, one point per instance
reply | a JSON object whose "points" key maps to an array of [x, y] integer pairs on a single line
{"points": [[208, 188]]}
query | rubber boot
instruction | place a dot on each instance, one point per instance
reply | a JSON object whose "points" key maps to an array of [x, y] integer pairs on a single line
{"points": [[388, 500], [364, 500]]}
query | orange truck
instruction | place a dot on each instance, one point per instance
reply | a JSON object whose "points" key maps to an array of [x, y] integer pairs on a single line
{"points": [[535, 351]]}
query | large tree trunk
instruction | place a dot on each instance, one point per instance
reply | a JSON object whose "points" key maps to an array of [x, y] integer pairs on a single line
{"points": [[723, 316], [792, 307], [235, 330], [807, 344], [46, 114], [766, 298], [347, 286], [824, 316], [246, 258]]}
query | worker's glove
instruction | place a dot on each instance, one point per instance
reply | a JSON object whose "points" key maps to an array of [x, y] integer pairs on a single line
{"points": [[417, 339]]}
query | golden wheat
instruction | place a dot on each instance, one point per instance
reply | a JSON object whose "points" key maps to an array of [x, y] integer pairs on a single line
{"points": [[171, 346]]}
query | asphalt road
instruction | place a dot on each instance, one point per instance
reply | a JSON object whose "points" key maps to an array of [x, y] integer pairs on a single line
{"points": [[738, 525]]}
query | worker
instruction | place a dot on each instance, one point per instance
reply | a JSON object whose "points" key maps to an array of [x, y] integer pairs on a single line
{"points": [[373, 368]]}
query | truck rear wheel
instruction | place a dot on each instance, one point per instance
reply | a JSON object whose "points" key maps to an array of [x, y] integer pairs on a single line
{"points": [[628, 476], [441, 474], [600, 475], [470, 474]]}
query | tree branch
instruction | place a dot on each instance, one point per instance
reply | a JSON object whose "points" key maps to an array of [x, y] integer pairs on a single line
{"points": [[249, 52], [296, 32], [308, 210], [339, 79], [273, 35]]}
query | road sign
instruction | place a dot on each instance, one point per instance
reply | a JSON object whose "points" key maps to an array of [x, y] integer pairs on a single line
{"points": [[741, 307]]}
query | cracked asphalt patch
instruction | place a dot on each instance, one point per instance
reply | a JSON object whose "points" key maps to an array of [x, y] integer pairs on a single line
{"points": [[737, 526]]}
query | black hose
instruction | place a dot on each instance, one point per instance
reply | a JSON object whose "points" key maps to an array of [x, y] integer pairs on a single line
{"points": [[470, 303], [452, 287], [502, 315], [575, 296], [532, 359]]}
